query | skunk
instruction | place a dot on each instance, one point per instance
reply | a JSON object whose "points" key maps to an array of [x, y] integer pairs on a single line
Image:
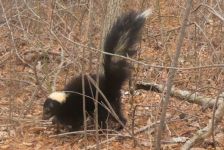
{"points": [[67, 105]]}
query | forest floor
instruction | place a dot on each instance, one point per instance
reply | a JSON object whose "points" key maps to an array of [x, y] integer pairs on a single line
{"points": [[25, 85]]}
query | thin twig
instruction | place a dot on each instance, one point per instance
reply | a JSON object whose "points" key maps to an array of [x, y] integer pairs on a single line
{"points": [[58, 70], [165, 100], [142, 63]]}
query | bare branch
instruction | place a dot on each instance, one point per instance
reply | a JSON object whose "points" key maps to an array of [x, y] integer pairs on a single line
{"points": [[165, 100], [58, 70]]}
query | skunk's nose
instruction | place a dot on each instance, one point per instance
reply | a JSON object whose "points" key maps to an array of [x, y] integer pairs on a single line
{"points": [[46, 116]]}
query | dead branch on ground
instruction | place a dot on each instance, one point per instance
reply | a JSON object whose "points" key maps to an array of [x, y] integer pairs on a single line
{"points": [[191, 97], [207, 131]]}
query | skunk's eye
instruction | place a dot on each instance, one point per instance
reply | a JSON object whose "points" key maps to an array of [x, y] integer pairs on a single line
{"points": [[46, 109], [51, 105]]}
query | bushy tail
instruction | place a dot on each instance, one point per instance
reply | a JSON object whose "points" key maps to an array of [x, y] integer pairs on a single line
{"points": [[121, 40]]}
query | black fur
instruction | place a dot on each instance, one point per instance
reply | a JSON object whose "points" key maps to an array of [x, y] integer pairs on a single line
{"points": [[120, 40]]}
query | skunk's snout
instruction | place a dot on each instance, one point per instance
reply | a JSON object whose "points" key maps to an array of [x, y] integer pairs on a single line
{"points": [[46, 114]]}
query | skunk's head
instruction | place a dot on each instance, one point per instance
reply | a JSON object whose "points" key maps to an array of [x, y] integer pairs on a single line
{"points": [[53, 103]]}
